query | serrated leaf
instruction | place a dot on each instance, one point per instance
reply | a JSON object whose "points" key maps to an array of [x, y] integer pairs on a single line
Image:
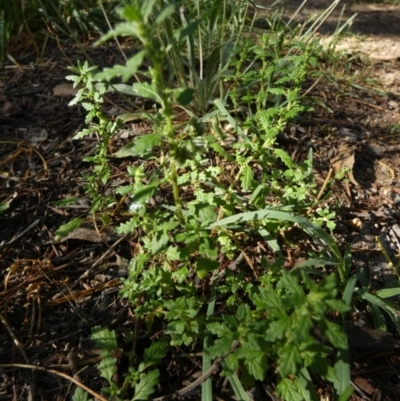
{"points": [[107, 366], [284, 156], [221, 346], [205, 266], [65, 229], [292, 95], [104, 338], [146, 385], [143, 194], [253, 356], [219, 329], [172, 253], [140, 146], [278, 328], [125, 72], [246, 178], [82, 134], [289, 358], [154, 354], [290, 390], [231, 364], [77, 97], [277, 91], [334, 333], [160, 241], [256, 364]]}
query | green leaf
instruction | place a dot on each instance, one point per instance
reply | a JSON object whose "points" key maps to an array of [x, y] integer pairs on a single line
{"points": [[66, 201], [186, 31], [390, 290], [81, 134], [205, 266], [140, 146], [219, 329], [160, 241], [289, 358], [125, 72], [226, 115], [277, 91], [278, 329], [284, 156], [290, 390], [80, 395], [147, 9], [164, 14], [154, 354], [146, 385], [144, 89], [65, 229], [122, 29], [349, 290], [391, 309], [184, 96], [237, 388], [253, 356], [4, 206], [334, 333], [246, 178], [318, 234], [107, 366], [132, 12], [346, 395], [104, 338], [306, 383]]}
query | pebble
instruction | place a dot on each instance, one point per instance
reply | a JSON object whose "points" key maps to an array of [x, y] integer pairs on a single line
{"points": [[393, 104], [375, 150]]}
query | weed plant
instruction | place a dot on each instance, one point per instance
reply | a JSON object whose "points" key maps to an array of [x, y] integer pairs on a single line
{"points": [[226, 192]]}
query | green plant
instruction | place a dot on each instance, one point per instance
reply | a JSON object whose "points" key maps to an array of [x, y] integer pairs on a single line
{"points": [[216, 200], [91, 98], [143, 379]]}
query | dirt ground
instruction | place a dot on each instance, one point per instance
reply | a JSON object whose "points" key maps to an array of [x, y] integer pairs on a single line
{"points": [[53, 292]]}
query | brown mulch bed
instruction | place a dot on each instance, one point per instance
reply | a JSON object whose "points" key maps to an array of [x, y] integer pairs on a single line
{"points": [[53, 292]]}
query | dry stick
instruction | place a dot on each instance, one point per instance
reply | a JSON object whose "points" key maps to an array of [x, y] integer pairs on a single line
{"points": [[312, 86], [97, 262], [54, 372], [11, 291], [17, 343], [192, 385], [322, 190], [199, 380], [20, 235]]}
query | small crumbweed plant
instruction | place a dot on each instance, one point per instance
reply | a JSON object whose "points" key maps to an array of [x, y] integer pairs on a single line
{"points": [[221, 187]]}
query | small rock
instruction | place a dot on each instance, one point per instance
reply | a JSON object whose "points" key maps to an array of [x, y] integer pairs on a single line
{"points": [[393, 104], [375, 150], [346, 134]]}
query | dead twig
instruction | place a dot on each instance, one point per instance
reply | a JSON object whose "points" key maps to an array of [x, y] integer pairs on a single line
{"points": [[54, 372]]}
